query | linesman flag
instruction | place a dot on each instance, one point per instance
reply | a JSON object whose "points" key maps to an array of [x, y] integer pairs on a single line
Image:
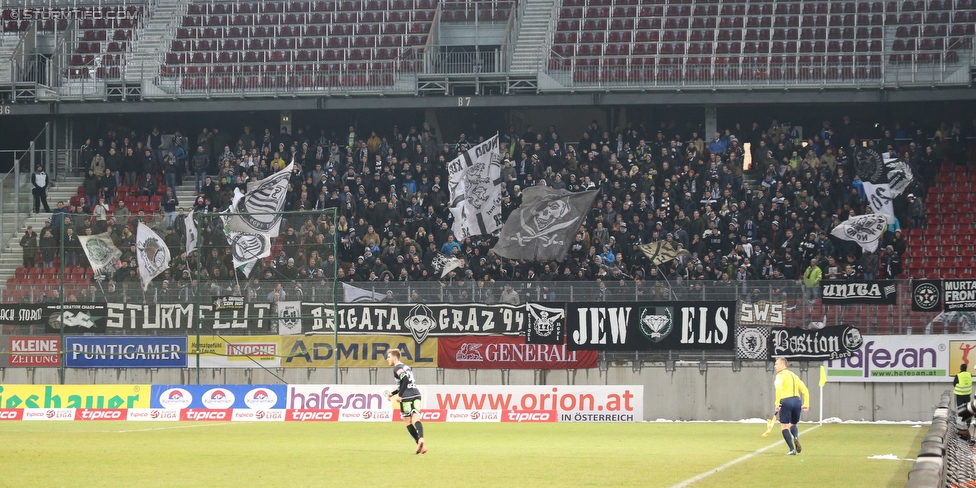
{"points": [[152, 254], [661, 252], [543, 227]]}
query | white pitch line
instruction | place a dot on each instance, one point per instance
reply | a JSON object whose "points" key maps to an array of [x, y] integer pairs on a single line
{"points": [[695, 479]]}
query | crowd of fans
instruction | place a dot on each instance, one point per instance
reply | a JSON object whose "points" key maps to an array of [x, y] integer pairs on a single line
{"points": [[387, 186]]}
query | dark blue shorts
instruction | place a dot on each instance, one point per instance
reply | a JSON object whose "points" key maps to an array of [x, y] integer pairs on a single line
{"points": [[790, 408]]}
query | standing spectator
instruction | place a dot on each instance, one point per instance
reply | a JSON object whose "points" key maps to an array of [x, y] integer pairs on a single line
{"points": [[29, 243], [108, 184], [811, 281], [916, 209], [172, 168], [201, 162], [72, 247], [40, 181], [49, 245], [155, 144], [169, 206]]}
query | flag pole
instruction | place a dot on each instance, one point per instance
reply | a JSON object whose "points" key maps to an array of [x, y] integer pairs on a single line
{"points": [[823, 381]]}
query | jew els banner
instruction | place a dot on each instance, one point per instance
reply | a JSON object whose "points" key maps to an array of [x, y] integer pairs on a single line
{"points": [[871, 292], [834, 342], [651, 326]]}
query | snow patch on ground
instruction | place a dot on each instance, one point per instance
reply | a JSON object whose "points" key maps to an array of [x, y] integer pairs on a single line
{"points": [[889, 457]]}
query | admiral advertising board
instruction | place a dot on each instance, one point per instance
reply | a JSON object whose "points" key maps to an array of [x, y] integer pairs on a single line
{"points": [[662, 326], [355, 351]]}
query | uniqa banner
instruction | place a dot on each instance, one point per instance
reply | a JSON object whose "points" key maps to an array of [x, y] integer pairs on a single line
{"points": [[895, 358], [871, 292], [834, 342], [500, 352], [355, 351], [648, 326]]}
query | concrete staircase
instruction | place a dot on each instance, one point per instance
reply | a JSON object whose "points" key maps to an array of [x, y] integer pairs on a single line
{"points": [[8, 43], [11, 254], [534, 36], [159, 29]]}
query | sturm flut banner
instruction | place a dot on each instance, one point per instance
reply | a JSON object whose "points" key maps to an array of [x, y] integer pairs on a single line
{"points": [[647, 326]]}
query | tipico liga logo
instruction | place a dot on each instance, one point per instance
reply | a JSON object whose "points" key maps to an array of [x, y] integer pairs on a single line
{"points": [[175, 399], [217, 398], [260, 399]]}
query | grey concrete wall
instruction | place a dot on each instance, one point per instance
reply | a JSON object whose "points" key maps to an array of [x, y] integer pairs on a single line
{"points": [[719, 393]]}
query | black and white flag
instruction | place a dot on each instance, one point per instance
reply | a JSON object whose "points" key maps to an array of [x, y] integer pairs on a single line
{"points": [[866, 230], [661, 252], [546, 324], [245, 247], [879, 197], [152, 254], [101, 251], [192, 234], [543, 227], [444, 264], [476, 190], [352, 294], [289, 317], [900, 176], [259, 210]]}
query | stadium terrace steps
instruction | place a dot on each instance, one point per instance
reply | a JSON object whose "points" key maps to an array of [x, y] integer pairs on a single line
{"points": [[12, 257], [160, 29], [535, 36]]}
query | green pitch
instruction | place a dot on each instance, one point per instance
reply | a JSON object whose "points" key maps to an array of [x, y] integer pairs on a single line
{"points": [[129, 454]]}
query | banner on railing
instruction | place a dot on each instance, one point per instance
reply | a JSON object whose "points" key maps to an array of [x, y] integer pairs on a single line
{"points": [[959, 295], [895, 359], [926, 295], [355, 351], [75, 318], [509, 353], [834, 342], [870, 292], [762, 312], [661, 326], [418, 320]]}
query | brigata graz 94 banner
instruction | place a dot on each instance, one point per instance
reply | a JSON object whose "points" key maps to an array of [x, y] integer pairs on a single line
{"points": [[509, 353], [645, 326]]}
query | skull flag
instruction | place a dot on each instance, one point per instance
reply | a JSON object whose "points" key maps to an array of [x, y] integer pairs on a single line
{"points": [[543, 227]]}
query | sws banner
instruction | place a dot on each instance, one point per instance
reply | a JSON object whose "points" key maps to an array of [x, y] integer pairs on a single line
{"points": [[662, 326], [834, 342], [509, 353], [896, 359], [870, 292], [355, 351], [125, 352], [256, 397], [32, 352], [234, 351], [959, 295], [762, 312], [926, 295], [419, 320]]}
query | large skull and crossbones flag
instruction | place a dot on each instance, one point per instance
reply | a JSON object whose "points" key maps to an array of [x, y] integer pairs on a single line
{"points": [[543, 227]]}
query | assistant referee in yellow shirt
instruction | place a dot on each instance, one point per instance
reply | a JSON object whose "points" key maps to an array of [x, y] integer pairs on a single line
{"points": [[792, 396]]}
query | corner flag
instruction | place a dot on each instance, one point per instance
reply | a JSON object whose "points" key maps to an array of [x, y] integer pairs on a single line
{"points": [[823, 375]]}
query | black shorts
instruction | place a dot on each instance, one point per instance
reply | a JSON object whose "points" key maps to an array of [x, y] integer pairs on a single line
{"points": [[409, 407], [789, 411]]}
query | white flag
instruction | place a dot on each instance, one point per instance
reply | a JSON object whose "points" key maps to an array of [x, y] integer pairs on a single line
{"points": [[101, 251], [899, 176], [866, 230], [475, 189], [152, 254], [352, 294], [260, 208], [879, 197], [445, 264], [192, 234]]}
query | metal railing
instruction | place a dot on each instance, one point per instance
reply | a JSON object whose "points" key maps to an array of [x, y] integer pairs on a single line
{"points": [[871, 319], [16, 199]]}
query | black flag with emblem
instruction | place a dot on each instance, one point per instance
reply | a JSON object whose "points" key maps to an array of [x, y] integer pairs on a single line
{"points": [[546, 324], [543, 227], [926, 295]]}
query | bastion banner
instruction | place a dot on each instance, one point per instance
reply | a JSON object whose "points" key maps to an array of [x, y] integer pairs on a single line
{"points": [[896, 359], [496, 352], [834, 342]]}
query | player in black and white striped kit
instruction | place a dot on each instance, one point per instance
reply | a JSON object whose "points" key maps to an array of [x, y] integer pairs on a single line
{"points": [[409, 397]]}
